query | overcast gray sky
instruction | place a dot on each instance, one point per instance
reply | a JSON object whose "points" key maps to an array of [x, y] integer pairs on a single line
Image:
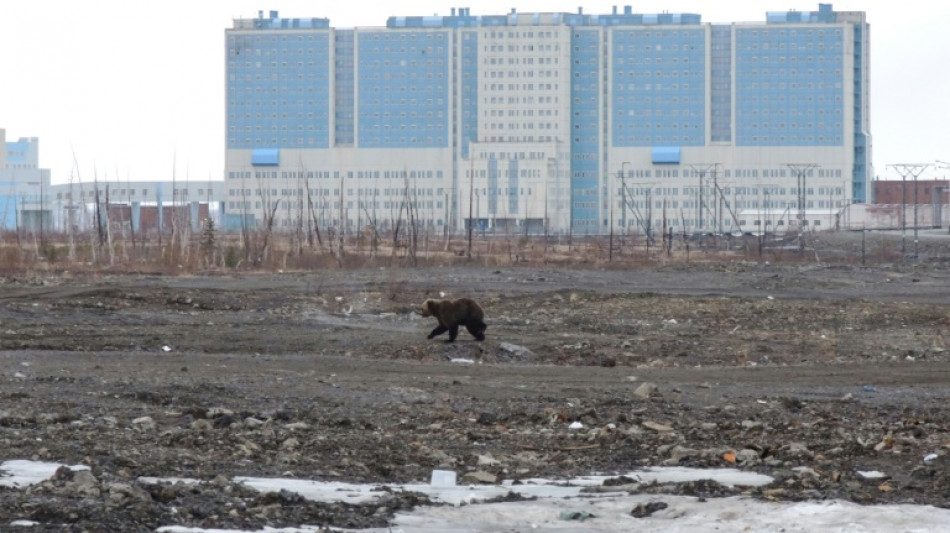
{"points": [[135, 89]]}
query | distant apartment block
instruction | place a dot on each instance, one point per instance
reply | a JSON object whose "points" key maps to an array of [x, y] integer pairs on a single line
{"points": [[136, 207], [23, 185], [532, 122]]}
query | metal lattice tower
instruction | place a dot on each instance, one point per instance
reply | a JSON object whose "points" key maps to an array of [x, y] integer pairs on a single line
{"points": [[801, 171], [702, 169], [911, 170]]}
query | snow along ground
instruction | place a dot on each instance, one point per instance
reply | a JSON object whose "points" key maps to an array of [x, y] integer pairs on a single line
{"points": [[561, 506]]}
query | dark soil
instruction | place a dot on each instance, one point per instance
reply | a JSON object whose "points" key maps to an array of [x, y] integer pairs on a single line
{"points": [[810, 374]]}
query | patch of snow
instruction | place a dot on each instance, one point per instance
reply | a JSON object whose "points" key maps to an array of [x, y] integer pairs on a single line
{"points": [[683, 514], [610, 510], [22, 473], [457, 495]]}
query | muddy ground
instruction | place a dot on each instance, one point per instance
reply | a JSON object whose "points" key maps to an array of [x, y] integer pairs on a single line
{"points": [[809, 373]]}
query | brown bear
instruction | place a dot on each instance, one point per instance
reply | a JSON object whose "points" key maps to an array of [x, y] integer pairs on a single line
{"points": [[454, 313]]}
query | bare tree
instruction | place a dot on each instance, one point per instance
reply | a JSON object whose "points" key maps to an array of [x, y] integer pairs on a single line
{"points": [[131, 217], [245, 230], [397, 222], [342, 220], [412, 211], [108, 229], [313, 224], [298, 204], [372, 222], [270, 212], [70, 209]]}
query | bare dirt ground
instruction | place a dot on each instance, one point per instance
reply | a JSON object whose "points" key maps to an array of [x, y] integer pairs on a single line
{"points": [[809, 373]]}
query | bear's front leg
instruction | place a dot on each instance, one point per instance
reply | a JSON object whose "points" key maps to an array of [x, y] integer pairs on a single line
{"points": [[453, 332], [440, 329]]}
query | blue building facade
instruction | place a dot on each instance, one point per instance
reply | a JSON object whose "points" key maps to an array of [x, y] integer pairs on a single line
{"points": [[278, 85], [789, 85], [403, 90], [659, 86], [24, 187], [586, 134], [548, 119]]}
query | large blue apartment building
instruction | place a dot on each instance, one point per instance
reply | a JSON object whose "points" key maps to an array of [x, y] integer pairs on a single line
{"points": [[554, 122]]}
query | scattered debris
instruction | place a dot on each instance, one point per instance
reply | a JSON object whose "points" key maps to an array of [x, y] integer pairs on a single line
{"points": [[280, 382], [643, 511], [576, 515]]}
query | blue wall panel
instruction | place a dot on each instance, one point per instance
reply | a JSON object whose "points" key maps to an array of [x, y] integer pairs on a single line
{"points": [[403, 89], [666, 155], [265, 157], [8, 216], [469, 89], [861, 141], [278, 90], [659, 78], [343, 98], [585, 129], [493, 191], [514, 187], [789, 86]]}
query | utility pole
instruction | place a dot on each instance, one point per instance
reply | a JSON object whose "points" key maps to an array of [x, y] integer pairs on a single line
{"points": [[525, 218], [939, 200], [716, 194], [913, 170], [801, 171], [649, 212], [342, 225], [623, 192], [471, 187], [610, 252], [42, 249], [547, 185]]}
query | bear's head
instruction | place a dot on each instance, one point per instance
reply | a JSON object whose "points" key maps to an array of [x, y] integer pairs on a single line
{"points": [[427, 308]]}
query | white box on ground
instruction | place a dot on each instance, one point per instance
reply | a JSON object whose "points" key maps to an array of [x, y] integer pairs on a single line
{"points": [[442, 478]]}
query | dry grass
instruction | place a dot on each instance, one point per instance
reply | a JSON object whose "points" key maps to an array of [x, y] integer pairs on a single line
{"points": [[227, 252]]}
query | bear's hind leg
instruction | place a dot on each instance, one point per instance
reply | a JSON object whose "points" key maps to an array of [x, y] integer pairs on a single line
{"points": [[440, 329], [477, 329]]}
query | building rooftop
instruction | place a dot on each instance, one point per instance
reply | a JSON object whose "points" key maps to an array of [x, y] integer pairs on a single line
{"points": [[462, 18]]}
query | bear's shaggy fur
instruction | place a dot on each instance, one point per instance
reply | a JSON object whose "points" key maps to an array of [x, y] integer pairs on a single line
{"points": [[454, 313]]}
